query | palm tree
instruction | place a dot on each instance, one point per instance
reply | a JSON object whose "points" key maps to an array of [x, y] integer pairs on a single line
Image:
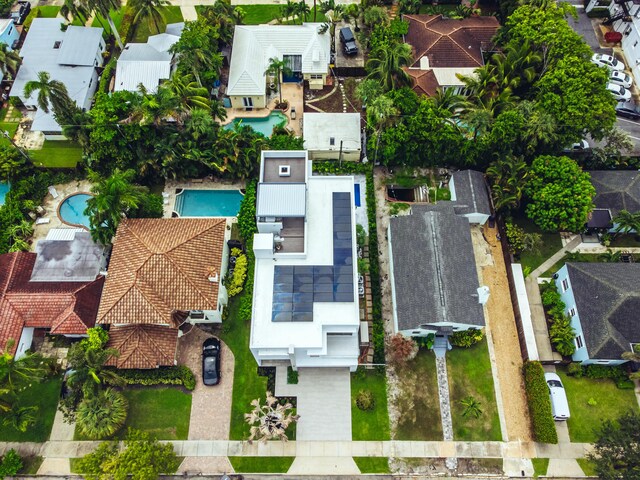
{"points": [[633, 356], [448, 100], [150, 10], [626, 222], [508, 177], [189, 93], [89, 372], [16, 374], [271, 420], [471, 407], [9, 61], [102, 415], [112, 198], [51, 92], [381, 111], [278, 68], [19, 245], [302, 10], [386, 65], [21, 230], [289, 9], [610, 256], [199, 124], [103, 8], [75, 9], [19, 417]]}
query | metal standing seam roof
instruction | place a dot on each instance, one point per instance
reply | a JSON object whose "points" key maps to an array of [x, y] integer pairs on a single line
{"points": [[79, 46], [281, 200]]}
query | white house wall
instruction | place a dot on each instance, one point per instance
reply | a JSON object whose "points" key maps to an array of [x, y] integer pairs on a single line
{"points": [[630, 38], [24, 343]]}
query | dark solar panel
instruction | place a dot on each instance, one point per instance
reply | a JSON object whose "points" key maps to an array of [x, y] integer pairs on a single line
{"points": [[296, 288]]}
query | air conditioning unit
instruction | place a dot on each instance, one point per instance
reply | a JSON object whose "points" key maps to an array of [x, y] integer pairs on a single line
{"points": [[284, 170]]}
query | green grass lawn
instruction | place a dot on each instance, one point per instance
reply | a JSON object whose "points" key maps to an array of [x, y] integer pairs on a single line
{"points": [[551, 243], [261, 464], [47, 11], [116, 15], [418, 403], [259, 14], [45, 396], [30, 465], [540, 466], [625, 240], [611, 403], [572, 257], [161, 412], [171, 14], [370, 424], [9, 127], [57, 154], [470, 375], [247, 384], [587, 466], [372, 464]]}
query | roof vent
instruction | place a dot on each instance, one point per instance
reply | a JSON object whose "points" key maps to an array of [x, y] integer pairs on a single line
{"points": [[212, 275], [284, 170]]}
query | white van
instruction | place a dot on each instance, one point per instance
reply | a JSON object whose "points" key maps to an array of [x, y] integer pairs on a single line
{"points": [[559, 404]]}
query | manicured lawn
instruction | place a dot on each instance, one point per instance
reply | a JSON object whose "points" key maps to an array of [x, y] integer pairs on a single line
{"points": [[611, 402], [418, 403], [540, 466], [625, 240], [372, 464], [73, 463], [261, 464], [573, 257], [588, 467], [371, 424], [551, 243], [30, 465], [259, 14], [162, 412], [171, 14], [470, 374], [57, 154], [47, 11], [117, 16], [45, 396], [9, 127], [247, 384]]}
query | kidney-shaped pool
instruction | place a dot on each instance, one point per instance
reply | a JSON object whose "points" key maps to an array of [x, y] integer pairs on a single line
{"points": [[71, 210]]}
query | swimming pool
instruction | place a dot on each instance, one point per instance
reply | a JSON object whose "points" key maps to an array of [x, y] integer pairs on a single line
{"points": [[4, 189], [208, 203], [356, 191], [71, 210], [262, 125]]}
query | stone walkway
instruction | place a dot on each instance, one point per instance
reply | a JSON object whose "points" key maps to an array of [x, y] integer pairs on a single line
{"points": [[61, 431], [189, 13]]}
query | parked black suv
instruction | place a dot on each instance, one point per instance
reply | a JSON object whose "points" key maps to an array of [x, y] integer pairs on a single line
{"points": [[628, 110], [348, 41], [20, 11]]}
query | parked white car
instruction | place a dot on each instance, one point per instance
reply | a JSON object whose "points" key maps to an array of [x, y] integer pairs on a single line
{"points": [[608, 61], [559, 403], [620, 93], [581, 146], [620, 78]]}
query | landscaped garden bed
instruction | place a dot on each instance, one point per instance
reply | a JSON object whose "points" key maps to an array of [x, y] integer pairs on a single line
{"points": [[372, 423], [551, 243]]}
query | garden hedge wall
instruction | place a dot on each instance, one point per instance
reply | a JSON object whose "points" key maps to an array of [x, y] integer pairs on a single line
{"points": [[544, 428]]}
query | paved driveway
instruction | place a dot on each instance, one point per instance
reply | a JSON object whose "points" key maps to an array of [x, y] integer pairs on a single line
{"points": [[210, 406]]}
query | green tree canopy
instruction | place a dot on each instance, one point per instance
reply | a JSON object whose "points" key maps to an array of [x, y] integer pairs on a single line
{"points": [[616, 453]]}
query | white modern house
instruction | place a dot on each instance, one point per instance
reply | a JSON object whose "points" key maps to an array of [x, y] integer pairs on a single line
{"points": [[305, 308], [148, 64], [332, 136], [602, 300], [70, 56], [626, 20], [305, 48]]}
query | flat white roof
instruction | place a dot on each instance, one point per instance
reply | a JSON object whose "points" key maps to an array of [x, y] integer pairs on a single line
{"points": [[266, 334], [325, 131], [281, 200]]}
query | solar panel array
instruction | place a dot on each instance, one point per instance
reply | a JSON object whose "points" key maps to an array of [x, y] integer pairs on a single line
{"points": [[296, 288]]}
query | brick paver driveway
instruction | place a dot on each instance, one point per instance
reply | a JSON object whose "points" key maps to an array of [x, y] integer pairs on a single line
{"points": [[210, 406]]}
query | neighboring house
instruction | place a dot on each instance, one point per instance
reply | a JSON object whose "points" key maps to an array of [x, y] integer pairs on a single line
{"points": [[148, 63], [305, 49], [71, 57], [163, 272], [432, 268], [335, 136], [625, 16], [603, 301], [615, 190], [470, 193], [305, 308], [55, 290], [8, 35], [444, 47]]}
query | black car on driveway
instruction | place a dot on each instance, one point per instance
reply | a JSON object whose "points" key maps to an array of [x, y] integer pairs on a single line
{"points": [[348, 41], [211, 361]]}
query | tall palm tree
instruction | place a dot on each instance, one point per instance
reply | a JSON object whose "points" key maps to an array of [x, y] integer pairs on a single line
{"points": [[508, 177], [9, 61], [89, 372], [189, 93], [448, 100], [289, 9], [51, 93], [270, 420], [199, 124], [101, 415], [278, 68], [103, 9], [386, 65], [627, 222], [16, 374], [112, 198], [302, 10], [149, 10], [19, 417]]}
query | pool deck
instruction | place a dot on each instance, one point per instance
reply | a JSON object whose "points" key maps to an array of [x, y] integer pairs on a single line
{"points": [[51, 205], [194, 184], [293, 92]]}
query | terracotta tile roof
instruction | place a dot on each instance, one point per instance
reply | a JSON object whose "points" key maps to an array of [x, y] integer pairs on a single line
{"points": [[143, 346], [63, 307], [160, 265], [448, 42], [424, 81]]}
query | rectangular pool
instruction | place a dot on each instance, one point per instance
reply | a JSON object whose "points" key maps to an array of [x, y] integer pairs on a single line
{"points": [[356, 194], [4, 189], [208, 203]]}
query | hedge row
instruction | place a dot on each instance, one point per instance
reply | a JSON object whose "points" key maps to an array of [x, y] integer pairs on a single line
{"points": [[180, 375], [107, 73], [544, 428]]}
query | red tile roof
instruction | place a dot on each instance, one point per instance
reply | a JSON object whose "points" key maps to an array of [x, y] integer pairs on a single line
{"points": [[424, 81], [143, 346], [63, 307]]}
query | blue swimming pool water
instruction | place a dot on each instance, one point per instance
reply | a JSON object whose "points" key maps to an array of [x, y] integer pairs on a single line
{"points": [[72, 209], [262, 125], [4, 189], [356, 192], [208, 203]]}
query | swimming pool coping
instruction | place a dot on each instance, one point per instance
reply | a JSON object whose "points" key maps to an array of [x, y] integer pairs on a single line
{"points": [[175, 214], [76, 225]]}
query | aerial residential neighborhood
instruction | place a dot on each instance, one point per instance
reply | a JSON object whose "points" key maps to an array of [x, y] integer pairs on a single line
{"points": [[266, 239]]}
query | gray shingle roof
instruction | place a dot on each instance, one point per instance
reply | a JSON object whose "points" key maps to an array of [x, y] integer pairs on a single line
{"points": [[607, 298], [471, 192], [616, 190], [434, 269]]}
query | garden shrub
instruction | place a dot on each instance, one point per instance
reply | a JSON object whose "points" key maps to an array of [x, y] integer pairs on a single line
{"points": [[97, 338], [365, 400], [562, 334], [544, 428], [247, 213], [126, 30], [466, 338], [11, 464], [107, 73], [361, 235], [616, 373], [575, 369], [292, 376], [180, 375], [426, 342], [402, 349], [238, 277]]}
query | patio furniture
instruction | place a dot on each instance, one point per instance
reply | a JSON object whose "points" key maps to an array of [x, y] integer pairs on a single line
{"points": [[40, 210], [42, 221], [53, 191]]}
